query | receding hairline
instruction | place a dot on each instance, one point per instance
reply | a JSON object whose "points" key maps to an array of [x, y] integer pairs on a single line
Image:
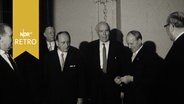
{"points": [[66, 33], [135, 33], [3, 28], [176, 19], [102, 23]]}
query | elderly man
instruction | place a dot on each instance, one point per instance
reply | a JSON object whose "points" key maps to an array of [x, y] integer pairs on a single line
{"points": [[11, 84], [47, 42], [143, 73], [174, 60], [64, 75], [106, 59]]}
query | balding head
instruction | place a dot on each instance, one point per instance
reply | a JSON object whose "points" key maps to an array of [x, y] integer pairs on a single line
{"points": [[63, 41], [5, 37], [103, 31]]}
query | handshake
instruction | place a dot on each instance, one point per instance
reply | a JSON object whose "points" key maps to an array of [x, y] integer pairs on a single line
{"points": [[125, 79]]}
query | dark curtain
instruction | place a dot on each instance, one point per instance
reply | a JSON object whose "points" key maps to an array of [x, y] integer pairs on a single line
{"points": [[6, 11]]}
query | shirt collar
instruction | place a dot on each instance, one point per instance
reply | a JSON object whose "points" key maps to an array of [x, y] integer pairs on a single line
{"points": [[2, 52], [138, 49], [179, 36], [106, 43], [50, 42], [60, 52]]}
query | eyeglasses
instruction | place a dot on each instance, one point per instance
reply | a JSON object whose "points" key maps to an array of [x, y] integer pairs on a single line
{"points": [[166, 25]]}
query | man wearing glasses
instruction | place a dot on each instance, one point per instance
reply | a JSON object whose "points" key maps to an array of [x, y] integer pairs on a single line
{"points": [[174, 60]]}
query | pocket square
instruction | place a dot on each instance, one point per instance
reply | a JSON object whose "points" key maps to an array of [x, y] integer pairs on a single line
{"points": [[72, 66]]}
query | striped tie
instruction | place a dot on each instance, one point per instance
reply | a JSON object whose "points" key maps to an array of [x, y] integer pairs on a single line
{"points": [[62, 61], [104, 59]]}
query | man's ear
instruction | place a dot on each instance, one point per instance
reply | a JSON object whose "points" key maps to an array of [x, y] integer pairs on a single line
{"points": [[171, 27], [56, 43], [140, 41], [44, 34]]}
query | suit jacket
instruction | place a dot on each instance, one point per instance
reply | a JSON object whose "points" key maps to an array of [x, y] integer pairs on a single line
{"points": [[174, 62], [30, 70], [67, 85], [11, 84], [43, 50], [103, 89], [145, 68]]}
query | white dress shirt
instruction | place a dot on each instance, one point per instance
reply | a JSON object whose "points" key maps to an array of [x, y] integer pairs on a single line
{"points": [[101, 51], [51, 44], [64, 56]]}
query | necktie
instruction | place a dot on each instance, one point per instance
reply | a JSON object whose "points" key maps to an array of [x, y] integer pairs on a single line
{"points": [[13, 63], [62, 61], [50, 46], [133, 56], [104, 59]]}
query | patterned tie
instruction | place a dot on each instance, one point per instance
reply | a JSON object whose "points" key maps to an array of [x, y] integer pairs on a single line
{"points": [[104, 59], [62, 61]]}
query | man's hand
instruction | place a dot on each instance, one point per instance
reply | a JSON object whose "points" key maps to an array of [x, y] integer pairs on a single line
{"points": [[79, 101], [127, 79], [117, 80]]}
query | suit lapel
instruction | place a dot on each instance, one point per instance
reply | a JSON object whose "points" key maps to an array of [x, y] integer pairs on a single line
{"points": [[57, 61], [110, 54], [138, 56], [3, 61], [95, 53], [98, 53]]}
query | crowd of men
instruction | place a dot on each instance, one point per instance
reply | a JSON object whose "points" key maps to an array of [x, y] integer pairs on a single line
{"points": [[103, 71]]}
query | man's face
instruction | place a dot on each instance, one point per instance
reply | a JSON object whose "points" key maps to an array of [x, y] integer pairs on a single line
{"points": [[63, 42], [6, 39], [49, 34], [133, 43], [103, 32]]}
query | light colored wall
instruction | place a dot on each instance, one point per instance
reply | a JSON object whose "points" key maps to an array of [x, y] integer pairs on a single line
{"points": [[79, 17], [149, 16]]}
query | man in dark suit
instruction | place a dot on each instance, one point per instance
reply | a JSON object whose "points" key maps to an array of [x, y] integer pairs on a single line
{"points": [[47, 41], [106, 59], [11, 85], [174, 60], [143, 74], [29, 68], [65, 72], [46, 44]]}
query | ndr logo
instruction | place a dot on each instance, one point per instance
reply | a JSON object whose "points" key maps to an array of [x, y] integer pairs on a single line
{"points": [[25, 41], [25, 34]]}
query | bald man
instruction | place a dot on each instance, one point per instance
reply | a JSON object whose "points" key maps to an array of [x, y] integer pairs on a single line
{"points": [[64, 68], [11, 85], [106, 59]]}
